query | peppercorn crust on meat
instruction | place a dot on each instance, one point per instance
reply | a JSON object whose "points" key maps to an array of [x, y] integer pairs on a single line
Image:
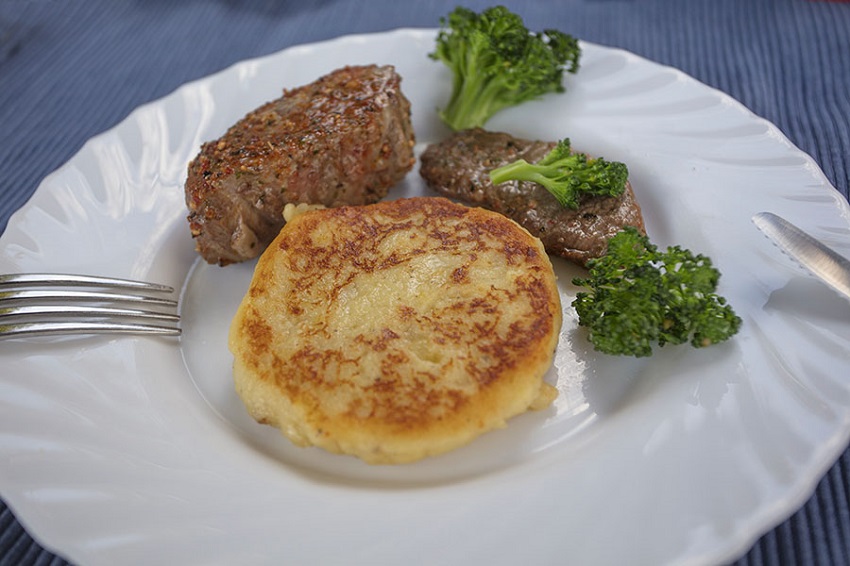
{"points": [[343, 139], [397, 330]]}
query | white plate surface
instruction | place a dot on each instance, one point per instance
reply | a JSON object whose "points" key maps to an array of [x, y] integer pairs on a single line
{"points": [[136, 450]]}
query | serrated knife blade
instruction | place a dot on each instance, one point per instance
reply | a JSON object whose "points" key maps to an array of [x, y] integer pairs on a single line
{"points": [[831, 267]]}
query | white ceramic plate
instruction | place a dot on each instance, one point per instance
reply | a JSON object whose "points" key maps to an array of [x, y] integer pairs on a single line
{"points": [[136, 450]]}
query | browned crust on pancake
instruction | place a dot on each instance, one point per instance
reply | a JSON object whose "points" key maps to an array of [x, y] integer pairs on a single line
{"points": [[438, 369]]}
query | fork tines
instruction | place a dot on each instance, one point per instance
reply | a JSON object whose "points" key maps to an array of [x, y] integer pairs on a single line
{"points": [[40, 304]]}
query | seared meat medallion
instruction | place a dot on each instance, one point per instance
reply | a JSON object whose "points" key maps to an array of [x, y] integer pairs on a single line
{"points": [[459, 167], [344, 139]]}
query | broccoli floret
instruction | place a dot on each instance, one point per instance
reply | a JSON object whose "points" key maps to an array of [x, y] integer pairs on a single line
{"points": [[639, 296], [567, 175], [497, 62]]}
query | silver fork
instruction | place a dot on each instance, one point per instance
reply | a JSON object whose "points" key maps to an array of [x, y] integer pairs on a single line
{"points": [[43, 304]]}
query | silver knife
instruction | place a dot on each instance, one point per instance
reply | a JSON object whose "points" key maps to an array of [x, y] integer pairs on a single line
{"points": [[829, 266]]}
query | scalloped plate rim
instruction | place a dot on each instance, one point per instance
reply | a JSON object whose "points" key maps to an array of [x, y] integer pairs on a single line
{"points": [[799, 490]]}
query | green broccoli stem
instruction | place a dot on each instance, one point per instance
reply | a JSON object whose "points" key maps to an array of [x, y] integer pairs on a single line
{"points": [[519, 170], [545, 175], [474, 100]]}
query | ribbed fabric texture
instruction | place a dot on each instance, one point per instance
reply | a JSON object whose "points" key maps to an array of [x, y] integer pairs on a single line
{"points": [[70, 70]]}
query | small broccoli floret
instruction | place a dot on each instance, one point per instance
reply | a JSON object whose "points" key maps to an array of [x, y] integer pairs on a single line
{"points": [[640, 296], [497, 62], [567, 175]]}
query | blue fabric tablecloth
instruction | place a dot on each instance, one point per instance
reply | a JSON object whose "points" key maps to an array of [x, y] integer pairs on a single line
{"points": [[70, 70]]}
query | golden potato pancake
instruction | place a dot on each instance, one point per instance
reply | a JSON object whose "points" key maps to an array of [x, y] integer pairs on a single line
{"points": [[397, 330]]}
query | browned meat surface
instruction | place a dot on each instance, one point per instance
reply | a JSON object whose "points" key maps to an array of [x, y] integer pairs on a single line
{"points": [[342, 140], [459, 167]]}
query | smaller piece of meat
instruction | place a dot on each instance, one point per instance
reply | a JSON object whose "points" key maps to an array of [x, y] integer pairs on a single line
{"points": [[459, 167], [344, 139]]}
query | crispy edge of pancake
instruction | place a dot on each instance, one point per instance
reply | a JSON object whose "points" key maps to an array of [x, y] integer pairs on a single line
{"points": [[393, 417]]}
